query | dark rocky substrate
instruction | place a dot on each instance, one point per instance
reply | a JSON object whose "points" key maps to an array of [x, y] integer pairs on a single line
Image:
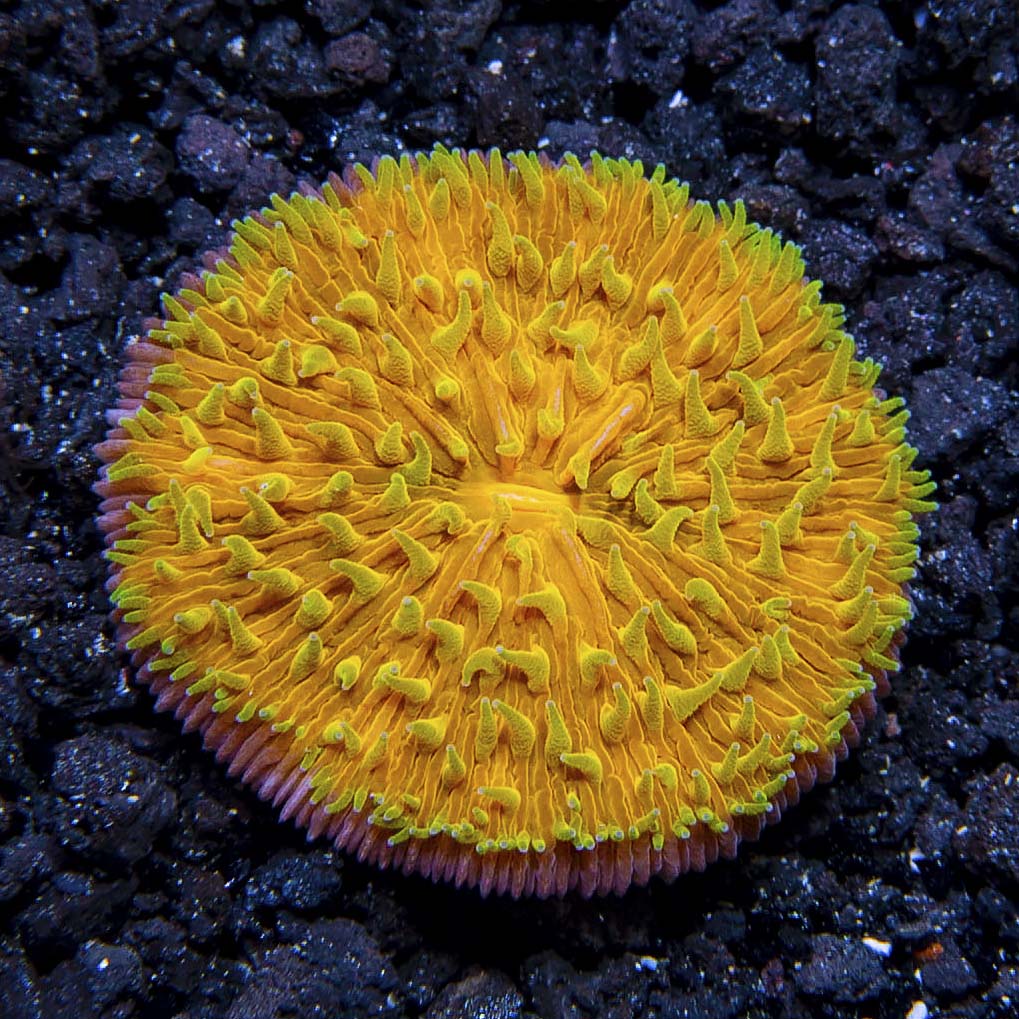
{"points": [[135, 879]]}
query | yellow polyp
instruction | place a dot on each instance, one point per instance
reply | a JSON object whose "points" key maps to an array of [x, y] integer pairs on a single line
{"points": [[522, 375], [852, 610], [535, 664], [660, 218], [673, 324], [359, 306], [777, 445], [588, 382], [277, 582], [538, 327], [614, 717], [633, 636], [617, 577], [750, 346], [727, 268], [170, 375], [702, 347], [189, 539], [363, 391], [820, 454], [563, 270], [421, 564], [449, 643], [506, 798], [789, 269], [834, 384], [388, 278], [583, 332], [408, 618], [557, 738], [651, 705], [703, 594], [243, 558], [283, 249], [395, 497], [636, 358], [366, 582], [243, 393], [713, 546], [397, 365], [548, 601], [720, 495], [499, 254], [811, 494], [863, 629], [616, 286], [788, 525], [488, 599], [307, 658], [194, 620], [698, 422], [270, 306], [522, 733], [768, 661], [469, 281], [346, 672], [677, 635], [191, 433], [529, 263], [734, 676], [447, 390], [341, 335], [150, 422], [588, 764], [863, 429], [334, 439], [428, 734], [343, 538], [496, 326], [725, 770], [389, 448], [662, 534], [271, 442], [279, 366], [244, 642], [745, 723], [683, 703], [313, 611], [755, 410], [450, 338], [591, 660], [665, 387], [195, 463], [645, 506], [888, 491], [261, 519], [428, 290], [768, 562], [723, 453]]}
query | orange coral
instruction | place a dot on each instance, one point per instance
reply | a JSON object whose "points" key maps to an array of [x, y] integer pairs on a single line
{"points": [[522, 525]]}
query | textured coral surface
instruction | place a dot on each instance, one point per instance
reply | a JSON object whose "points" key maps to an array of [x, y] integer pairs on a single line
{"points": [[524, 526], [136, 877]]}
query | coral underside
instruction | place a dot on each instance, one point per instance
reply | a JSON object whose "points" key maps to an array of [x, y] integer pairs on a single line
{"points": [[524, 526]]}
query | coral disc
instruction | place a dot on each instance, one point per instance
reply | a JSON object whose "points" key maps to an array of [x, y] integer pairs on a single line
{"points": [[526, 526]]}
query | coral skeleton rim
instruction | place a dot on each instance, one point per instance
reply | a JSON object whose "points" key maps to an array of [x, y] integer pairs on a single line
{"points": [[524, 525]]}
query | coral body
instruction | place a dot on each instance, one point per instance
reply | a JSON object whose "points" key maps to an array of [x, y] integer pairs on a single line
{"points": [[526, 526]]}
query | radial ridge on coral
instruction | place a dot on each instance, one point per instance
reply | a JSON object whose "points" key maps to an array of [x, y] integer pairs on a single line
{"points": [[524, 525]]}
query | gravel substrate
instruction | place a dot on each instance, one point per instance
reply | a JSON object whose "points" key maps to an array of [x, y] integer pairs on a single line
{"points": [[135, 879]]}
